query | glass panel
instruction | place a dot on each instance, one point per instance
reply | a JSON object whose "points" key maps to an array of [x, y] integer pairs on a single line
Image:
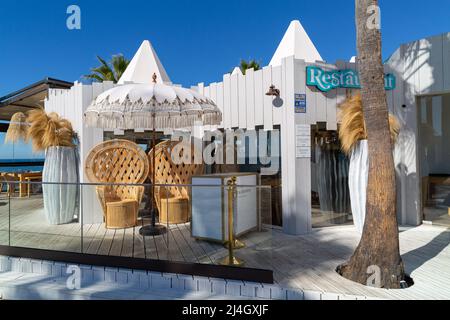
{"points": [[250, 222], [329, 180], [50, 226], [196, 227], [107, 219], [434, 155], [4, 212], [257, 151]]}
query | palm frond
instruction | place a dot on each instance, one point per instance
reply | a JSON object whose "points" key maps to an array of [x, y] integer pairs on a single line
{"points": [[109, 71], [250, 64], [119, 65], [93, 76], [101, 73], [103, 62]]}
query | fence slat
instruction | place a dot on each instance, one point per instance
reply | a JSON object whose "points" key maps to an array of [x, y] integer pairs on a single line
{"points": [[242, 109], [259, 95], [220, 101], [267, 100], [276, 81], [250, 98], [226, 101], [234, 101]]}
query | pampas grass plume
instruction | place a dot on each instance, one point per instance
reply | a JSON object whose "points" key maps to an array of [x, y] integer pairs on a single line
{"points": [[353, 126], [49, 130], [17, 129]]}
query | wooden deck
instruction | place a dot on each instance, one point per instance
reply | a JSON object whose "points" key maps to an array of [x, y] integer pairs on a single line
{"points": [[306, 262], [29, 228]]}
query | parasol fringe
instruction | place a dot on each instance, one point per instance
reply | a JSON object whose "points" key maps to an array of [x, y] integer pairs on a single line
{"points": [[111, 120], [140, 112]]}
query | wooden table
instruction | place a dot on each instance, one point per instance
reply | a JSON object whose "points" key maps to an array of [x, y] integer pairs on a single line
{"points": [[23, 179], [24, 188], [8, 178]]}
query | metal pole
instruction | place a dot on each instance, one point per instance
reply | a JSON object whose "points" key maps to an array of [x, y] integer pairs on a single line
{"points": [[231, 260], [152, 196], [153, 229]]}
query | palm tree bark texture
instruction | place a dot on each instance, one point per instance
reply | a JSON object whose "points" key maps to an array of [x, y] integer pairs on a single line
{"points": [[377, 256]]}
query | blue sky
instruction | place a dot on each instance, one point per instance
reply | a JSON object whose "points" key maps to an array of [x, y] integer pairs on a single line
{"points": [[197, 41]]}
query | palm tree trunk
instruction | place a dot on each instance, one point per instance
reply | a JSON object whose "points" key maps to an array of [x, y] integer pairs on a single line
{"points": [[379, 245]]}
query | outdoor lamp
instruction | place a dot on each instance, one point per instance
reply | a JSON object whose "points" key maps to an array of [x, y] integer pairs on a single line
{"points": [[274, 92]]}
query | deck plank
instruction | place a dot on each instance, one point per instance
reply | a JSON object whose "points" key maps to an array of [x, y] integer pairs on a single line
{"points": [[198, 251], [128, 243], [105, 246], [184, 245], [151, 252], [117, 243]]}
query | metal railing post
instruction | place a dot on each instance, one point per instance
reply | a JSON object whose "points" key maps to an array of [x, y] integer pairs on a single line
{"points": [[231, 260]]}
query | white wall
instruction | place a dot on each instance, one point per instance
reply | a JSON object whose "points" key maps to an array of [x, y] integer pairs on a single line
{"points": [[422, 67], [71, 105], [244, 104]]}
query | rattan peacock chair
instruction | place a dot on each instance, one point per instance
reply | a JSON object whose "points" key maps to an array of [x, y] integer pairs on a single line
{"points": [[120, 164], [173, 200]]}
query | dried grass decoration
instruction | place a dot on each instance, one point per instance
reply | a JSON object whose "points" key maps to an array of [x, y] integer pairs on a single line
{"points": [[353, 127], [17, 129], [49, 130], [44, 130]]}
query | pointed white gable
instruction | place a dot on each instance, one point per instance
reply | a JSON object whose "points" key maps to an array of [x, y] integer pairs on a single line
{"points": [[141, 68], [236, 70], [295, 42]]}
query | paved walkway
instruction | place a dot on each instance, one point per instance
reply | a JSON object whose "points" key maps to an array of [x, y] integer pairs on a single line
{"points": [[308, 262]]}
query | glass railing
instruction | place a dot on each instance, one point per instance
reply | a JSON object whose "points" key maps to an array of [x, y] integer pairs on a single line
{"points": [[180, 223]]}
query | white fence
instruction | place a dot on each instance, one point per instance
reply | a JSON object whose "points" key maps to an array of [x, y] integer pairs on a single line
{"points": [[71, 104], [244, 104]]}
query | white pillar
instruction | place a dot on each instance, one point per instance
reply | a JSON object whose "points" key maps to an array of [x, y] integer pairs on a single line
{"points": [[89, 137], [295, 172]]}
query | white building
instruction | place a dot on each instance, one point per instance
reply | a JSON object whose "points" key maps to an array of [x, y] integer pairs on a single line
{"points": [[312, 195]]}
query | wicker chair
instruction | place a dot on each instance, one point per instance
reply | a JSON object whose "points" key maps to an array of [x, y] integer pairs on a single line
{"points": [[173, 201], [118, 162]]}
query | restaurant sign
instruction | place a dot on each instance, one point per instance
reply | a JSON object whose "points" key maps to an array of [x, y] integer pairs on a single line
{"points": [[328, 80]]}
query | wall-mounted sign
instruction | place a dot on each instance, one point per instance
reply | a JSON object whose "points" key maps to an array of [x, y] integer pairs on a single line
{"points": [[300, 103], [303, 130], [303, 152], [302, 141], [328, 80]]}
